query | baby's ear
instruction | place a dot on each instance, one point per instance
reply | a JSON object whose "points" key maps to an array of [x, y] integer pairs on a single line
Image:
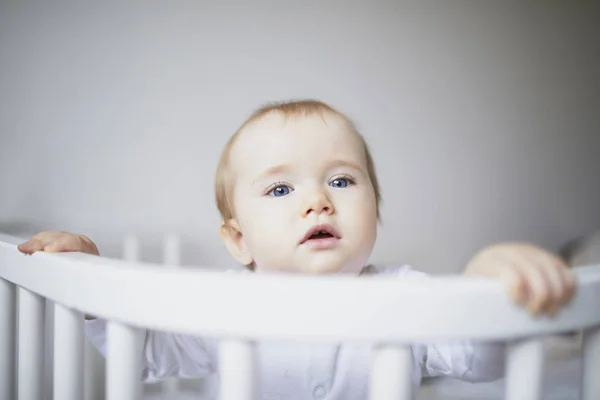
{"points": [[231, 235]]}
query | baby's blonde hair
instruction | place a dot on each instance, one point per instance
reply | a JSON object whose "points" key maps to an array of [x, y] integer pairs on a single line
{"points": [[223, 181]]}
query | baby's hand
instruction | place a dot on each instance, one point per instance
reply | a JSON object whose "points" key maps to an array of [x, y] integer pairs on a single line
{"points": [[58, 242], [537, 279]]}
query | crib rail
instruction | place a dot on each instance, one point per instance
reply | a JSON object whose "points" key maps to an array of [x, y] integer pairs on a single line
{"points": [[242, 310]]}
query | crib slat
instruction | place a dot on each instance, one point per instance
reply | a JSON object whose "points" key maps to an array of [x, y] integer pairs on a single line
{"points": [[8, 322], [124, 362], [68, 353], [591, 364], [123, 373], [524, 363], [172, 250], [171, 258], [94, 378], [30, 345], [236, 370], [391, 373], [131, 249]]}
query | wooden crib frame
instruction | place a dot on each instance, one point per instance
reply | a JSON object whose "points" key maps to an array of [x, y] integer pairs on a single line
{"points": [[126, 294]]}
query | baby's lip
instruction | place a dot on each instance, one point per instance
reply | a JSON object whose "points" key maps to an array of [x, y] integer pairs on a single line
{"points": [[321, 228]]}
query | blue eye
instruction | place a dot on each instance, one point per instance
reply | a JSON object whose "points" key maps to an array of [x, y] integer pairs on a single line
{"points": [[340, 183], [279, 191]]}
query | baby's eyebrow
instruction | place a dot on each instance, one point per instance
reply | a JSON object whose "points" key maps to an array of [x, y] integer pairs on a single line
{"points": [[343, 163], [277, 169]]}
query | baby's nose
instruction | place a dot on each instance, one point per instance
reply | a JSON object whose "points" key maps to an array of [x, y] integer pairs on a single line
{"points": [[317, 202]]}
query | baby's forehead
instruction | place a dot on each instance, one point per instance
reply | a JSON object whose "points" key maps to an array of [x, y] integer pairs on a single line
{"points": [[276, 125]]}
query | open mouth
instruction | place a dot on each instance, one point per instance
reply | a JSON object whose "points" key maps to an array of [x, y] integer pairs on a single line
{"points": [[320, 233]]}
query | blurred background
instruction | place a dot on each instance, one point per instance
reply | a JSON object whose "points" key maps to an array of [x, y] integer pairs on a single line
{"points": [[483, 117]]}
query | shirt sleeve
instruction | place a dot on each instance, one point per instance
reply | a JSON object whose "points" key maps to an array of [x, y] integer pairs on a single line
{"points": [[164, 354], [465, 360]]}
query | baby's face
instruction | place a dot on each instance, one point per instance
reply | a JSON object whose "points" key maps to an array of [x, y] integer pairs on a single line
{"points": [[302, 195]]}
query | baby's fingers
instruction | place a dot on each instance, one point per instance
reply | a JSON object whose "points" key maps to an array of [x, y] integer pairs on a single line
{"points": [[31, 246], [71, 242], [57, 247], [516, 284], [548, 281], [540, 289], [534, 286], [561, 280], [56, 242]]}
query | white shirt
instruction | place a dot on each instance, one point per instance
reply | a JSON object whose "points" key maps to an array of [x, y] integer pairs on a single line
{"points": [[294, 370]]}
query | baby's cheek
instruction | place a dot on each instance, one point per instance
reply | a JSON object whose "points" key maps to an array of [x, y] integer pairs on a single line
{"points": [[268, 232], [360, 215]]}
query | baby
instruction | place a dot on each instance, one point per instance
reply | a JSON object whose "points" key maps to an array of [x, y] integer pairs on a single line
{"points": [[297, 191]]}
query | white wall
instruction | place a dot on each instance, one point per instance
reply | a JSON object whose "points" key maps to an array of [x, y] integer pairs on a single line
{"points": [[483, 118]]}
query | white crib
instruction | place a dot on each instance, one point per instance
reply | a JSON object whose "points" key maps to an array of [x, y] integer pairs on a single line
{"points": [[124, 292]]}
